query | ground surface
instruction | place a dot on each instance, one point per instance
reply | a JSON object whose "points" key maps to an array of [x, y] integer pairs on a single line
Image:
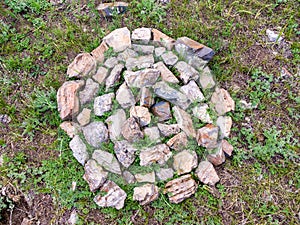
{"points": [[259, 185]]}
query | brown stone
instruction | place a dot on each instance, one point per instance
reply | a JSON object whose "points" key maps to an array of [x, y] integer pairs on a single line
{"points": [[184, 121], [207, 173], [162, 39], [98, 53], [119, 39], [141, 78], [83, 65], [94, 175], [222, 101], [185, 161], [84, 117], [165, 73], [227, 147], [142, 35], [145, 177], [217, 156], [145, 194], [190, 43], [156, 154], [146, 98], [168, 130], [131, 130], [208, 136], [141, 114], [70, 128], [162, 111], [178, 142], [101, 75]]}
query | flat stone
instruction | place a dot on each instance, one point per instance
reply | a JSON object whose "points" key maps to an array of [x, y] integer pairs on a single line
{"points": [[141, 62], [227, 147], [163, 90], [83, 65], [206, 173], [115, 196], [141, 78], [115, 123], [152, 133], [67, 100], [159, 51], [79, 150], [111, 62], [128, 177], [131, 130], [181, 188], [90, 90], [146, 98], [192, 91], [101, 75], [222, 101], [84, 117], [114, 76], [165, 73], [128, 53], [94, 175], [95, 133], [197, 63], [141, 114], [162, 111], [162, 39], [118, 39], [103, 104], [125, 152], [178, 142], [208, 136], [185, 161], [184, 121], [206, 79], [168, 130], [98, 53], [142, 35], [224, 123], [145, 178], [206, 53], [169, 58], [216, 156], [186, 72], [73, 219], [145, 194], [71, 128], [143, 49], [125, 97], [156, 154], [194, 45], [107, 161], [165, 174], [201, 112]]}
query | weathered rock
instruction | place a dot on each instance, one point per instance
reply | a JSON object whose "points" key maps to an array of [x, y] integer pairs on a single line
{"points": [[152, 133], [224, 123], [73, 219], [95, 133], [208, 136], [216, 156], [101, 75], [159, 51], [84, 117], [193, 45], [192, 91], [222, 101], [143, 49], [142, 35], [181, 188], [185, 161], [169, 58], [227, 147], [141, 78], [168, 130], [141, 114], [201, 113], [165, 73], [90, 90], [206, 173], [83, 65], [98, 53], [164, 174], [107, 161], [115, 123], [145, 194], [114, 197], [71, 128], [145, 177], [156, 154], [5, 119], [103, 104], [178, 142], [67, 100], [128, 53], [119, 39], [131, 130], [144, 61], [146, 98], [125, 97], [108, 9], [167, 93], [184, 121], [125, 152], [162, 111], [94, 175], [162, 39], [196, 62], [111, 62], [128, 177], [186, 72], [114, 76], [206, 79], [79, 150]]}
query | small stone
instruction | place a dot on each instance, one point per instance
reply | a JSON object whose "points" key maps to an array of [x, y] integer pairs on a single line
{"points": [[111, 62], [141, 114], [84, 117], [119, 39], [142, 35], [156, 154], [1, 160], [185, 161], [125, 152], [168, 130], [103, 104], [115, 196], [90, 90], [162, 39], [128, 53], [165, 73], [159, 51], [109, 9], [224, 123], [206, 79], [71, 128], [192, 91], [201, 113], [95, 133], [5, 119], [162, 111], [169, 58], [208, 136], [146, 98], [143, 49], [222, 101], [197, 63], [145, 178], [79, 150], [141, 78], [181, 188], [152, 133], [115, 123], [83, 65], [178, 142], [107, 161], [98, 53], [114, 76], [125, 97], [101, 75], [94, 175], [184, 121], [273, 37], [73, 219], [207, 173], [128, 177], [227, 147], [144, 61], [145, 194], [217, 156], [131, 130], [187, 72], [165, 174]]}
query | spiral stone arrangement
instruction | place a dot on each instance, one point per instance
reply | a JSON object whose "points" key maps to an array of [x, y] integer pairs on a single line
{"points": [[145, 108]]}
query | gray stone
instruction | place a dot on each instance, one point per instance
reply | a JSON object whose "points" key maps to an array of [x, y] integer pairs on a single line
{"points": [[142, 35], [144, 61], [197, 62], [168, 130], [145, 194], [156, 154], [95, 133], [114, 76], [162, 111], [79, 150], [162, 39], [83, 65], [206, 79], [125, 97], [111, 62], [71, 128], [101, 75], [216, 156], [103, 104], [222, 101], [119, 39], [165, 73], [128, 177], [90, 90], [184, 121], [141, 114], [131, 130], [107, 161], [84, 117], [206, 173], [165, 174], [192, 91], [94, 175], [208, 136], [224, 123], [145, 178], [159, 51], [125, 152], [73, 219], [201, 113], [146, 98], [186, 72], [169, 58], [227, 147], [206, 53], [141, 78], [143, 49], [178, 142], [185, 161], [115, 123], [152, 133], [128, 53]]}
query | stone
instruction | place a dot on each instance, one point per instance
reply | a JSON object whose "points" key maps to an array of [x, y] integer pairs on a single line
{"points": [[168, 130], [73, 219], [71, 128], [274, 37], [201, 112], [146, 98], [101, 75], [186, 72], [125, 97], [103, 104], [119, 39], [83, 65], [114, 76], [79, 150], [164, 91], [114, 197], [1, 160], [145, 178], [98, 53], [159, 51], [84, 117], [208, 136], [141, 62], [165, 73], [109, 9], [128, 177], [107, 161], [194, 45], [111, 62], [128, 53], [145, 194], [184, 121], [5, 119], [222, 101], [162, 39], [162, 111], [185, 161], [181, 188], [196, 62], [141, 114], [224, 123], [152, 133], [216, 156], [169, 58], [227, 147], [157, 154], [165, 174], [192, 91], [67, 100], [206, 79], [178, 142], [94, 175], [95, 133], [125, 152], [143, 49], [131, 130], [115, 123], [142, 35], [206, 173], [90, 90], [141, 78]]}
